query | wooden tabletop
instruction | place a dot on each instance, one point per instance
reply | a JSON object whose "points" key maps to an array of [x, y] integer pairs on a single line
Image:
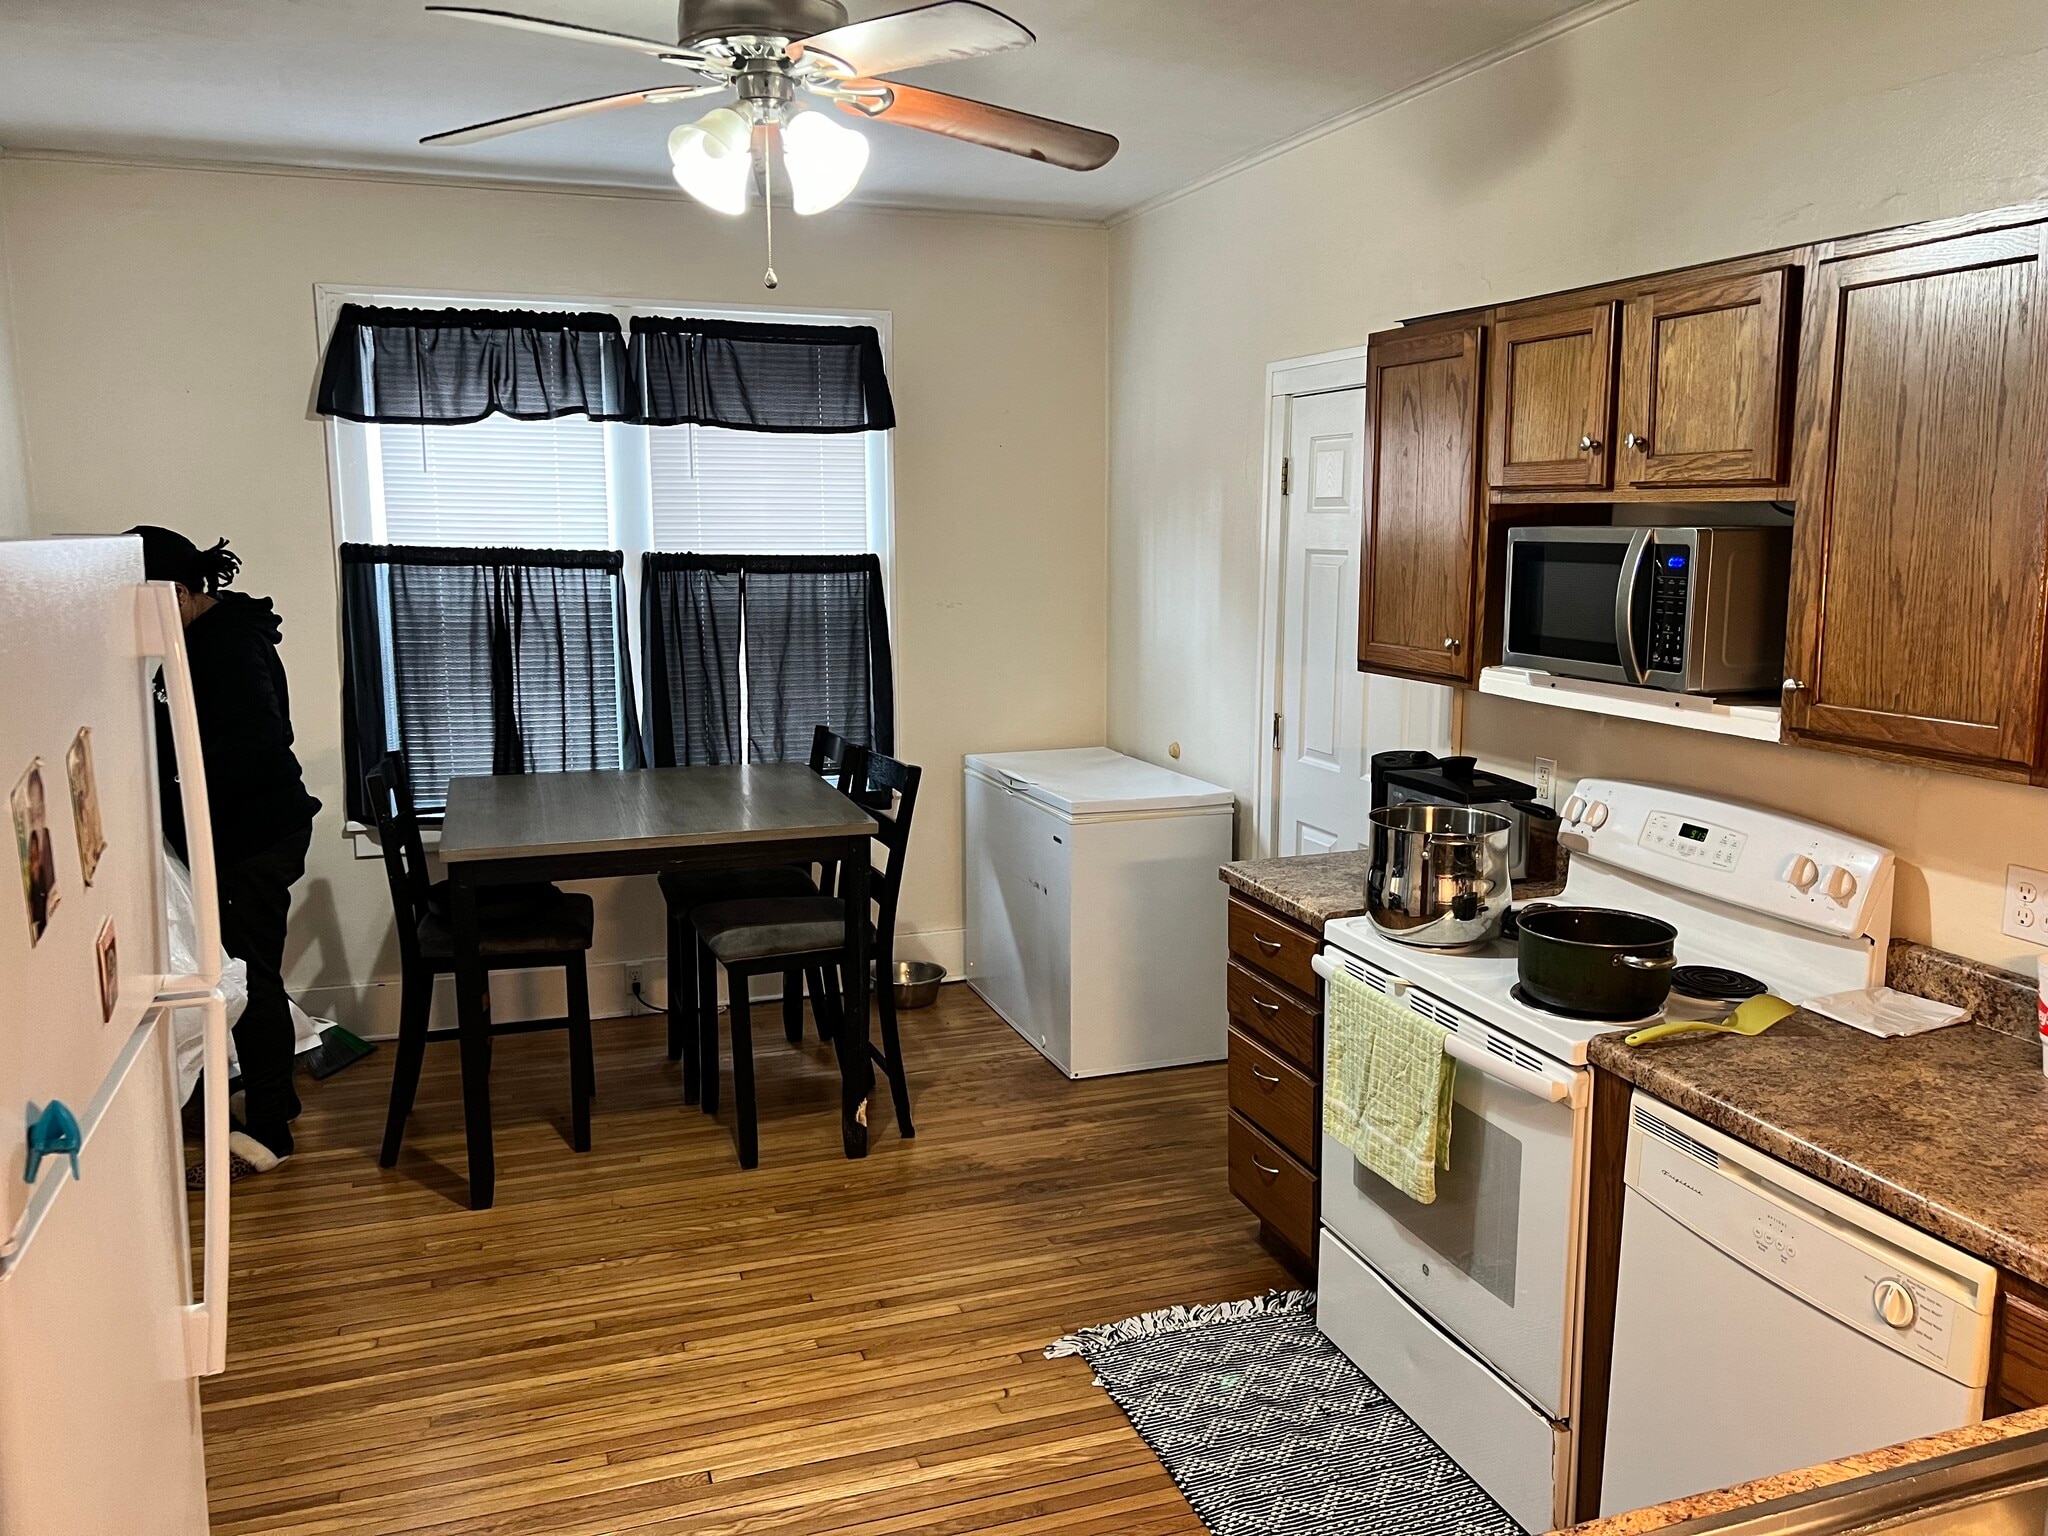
{"points": [[542, 815]]}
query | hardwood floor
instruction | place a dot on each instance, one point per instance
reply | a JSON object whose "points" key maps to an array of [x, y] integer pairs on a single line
{"points": [[648, 1339]]}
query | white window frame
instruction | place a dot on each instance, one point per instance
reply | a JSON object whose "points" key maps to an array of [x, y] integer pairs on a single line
{"points": [[353, 491]]}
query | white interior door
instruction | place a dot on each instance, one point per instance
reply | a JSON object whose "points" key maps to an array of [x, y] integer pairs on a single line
{"points": [[1332, 716]]}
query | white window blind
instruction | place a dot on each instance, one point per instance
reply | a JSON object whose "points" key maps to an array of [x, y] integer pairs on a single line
{"points": [[722, 492], [519, 484]]}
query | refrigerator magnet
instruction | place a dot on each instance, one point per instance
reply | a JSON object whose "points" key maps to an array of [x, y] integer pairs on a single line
{"points": [[109, 963], [85, 803], [38, 854]]}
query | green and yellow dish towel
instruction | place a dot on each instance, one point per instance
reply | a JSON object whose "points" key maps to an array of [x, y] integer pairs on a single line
{"points": [[1387, 1087]]}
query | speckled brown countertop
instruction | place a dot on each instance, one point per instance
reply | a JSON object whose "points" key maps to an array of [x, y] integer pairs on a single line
{"points": [[1947, 1131], [1318, 888], [1743, 1495]]}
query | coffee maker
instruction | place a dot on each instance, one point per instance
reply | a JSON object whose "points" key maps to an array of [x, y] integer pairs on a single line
{"points": [[1404, 778]]}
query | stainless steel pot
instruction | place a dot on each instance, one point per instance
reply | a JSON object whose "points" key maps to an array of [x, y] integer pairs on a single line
{"points": [[1439, 876]]}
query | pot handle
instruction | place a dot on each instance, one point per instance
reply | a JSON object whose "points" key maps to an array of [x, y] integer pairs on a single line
{"points": [[1646, 962]]}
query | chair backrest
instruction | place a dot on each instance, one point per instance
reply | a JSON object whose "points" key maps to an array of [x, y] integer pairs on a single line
{"points": [[831, 753], [890, 784], [405, 855]]}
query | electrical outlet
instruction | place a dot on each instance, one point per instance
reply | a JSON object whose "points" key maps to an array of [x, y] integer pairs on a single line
{"points": [[633, 980], [2026, 903], [1546, 781]]}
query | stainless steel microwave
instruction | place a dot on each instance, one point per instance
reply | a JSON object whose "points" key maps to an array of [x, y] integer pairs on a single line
{"points": [[1690, 610]]}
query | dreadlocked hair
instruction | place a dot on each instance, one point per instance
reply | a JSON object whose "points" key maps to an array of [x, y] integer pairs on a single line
{"points": [[218, 565]]}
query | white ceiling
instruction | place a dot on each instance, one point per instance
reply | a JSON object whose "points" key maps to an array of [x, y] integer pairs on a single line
{"points": [[1189, 85]]}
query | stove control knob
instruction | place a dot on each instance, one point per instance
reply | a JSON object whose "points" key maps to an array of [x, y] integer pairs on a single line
{"points": [[1840, 885], [1802, 873], [1574, 808], [1894, 1303], [1596, 815]]}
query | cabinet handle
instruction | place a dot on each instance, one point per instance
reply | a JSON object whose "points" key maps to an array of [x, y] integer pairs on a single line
{"points": [[1450, 644], [1270, 1080], [1266, 946], [1589, 444], [1638, 441], [1271, 1173], [1793, 685], [1268, 1009]]}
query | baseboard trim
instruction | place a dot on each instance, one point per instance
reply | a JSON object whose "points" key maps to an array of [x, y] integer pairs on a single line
{"points": [[370, 1008]]}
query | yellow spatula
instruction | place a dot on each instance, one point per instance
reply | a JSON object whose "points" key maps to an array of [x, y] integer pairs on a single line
{"points": [[1752, 1018]]}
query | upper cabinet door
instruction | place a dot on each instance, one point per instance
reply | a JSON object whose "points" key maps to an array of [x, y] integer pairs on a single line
{"points": [[1705, 383], [1418, 571], [1553, 399], [1922, 478]]}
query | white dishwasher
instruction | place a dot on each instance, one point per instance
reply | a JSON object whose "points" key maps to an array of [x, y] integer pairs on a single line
{"points": [[1765, 1321]]}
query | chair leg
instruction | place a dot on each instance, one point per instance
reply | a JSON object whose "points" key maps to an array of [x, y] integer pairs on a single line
{"points": [[892, 1047], [582, 1063], [416, 1003], [793, 1006], [743, 1066], [707, 1028], [675, 1007], [833, 1012], [821, 1004]]}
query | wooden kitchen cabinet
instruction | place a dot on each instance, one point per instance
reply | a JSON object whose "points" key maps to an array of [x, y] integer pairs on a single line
{"points": [[1551, 399], [1921, 471], [1419, 565], [1276, 1074], [1706, 384]]}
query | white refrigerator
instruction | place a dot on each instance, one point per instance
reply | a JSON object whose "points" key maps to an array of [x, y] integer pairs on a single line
{"points": [[102, 1338]]}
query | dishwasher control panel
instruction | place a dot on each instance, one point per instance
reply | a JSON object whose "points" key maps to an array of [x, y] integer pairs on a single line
{"points": [[1899, 1286]]}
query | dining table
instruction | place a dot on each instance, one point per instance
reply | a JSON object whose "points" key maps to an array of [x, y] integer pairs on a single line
{"points": [[506, 829]]}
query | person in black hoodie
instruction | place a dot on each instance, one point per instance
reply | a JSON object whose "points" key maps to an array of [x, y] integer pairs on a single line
{"points": [[262, 815]]}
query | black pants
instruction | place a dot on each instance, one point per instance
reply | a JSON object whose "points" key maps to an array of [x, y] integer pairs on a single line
{"points": [[255, 899]]}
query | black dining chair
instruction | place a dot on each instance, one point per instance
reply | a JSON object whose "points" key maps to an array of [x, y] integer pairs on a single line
{"points": [[768, 934], [519, 927], [684, 890]]}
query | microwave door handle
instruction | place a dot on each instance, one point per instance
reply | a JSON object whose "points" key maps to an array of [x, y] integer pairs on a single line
{"points": [[1625, 604]]}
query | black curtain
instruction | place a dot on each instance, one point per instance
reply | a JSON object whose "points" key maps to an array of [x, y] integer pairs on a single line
{"points": [[760, 377], [450, 366], [476, 661], [814, 631]]}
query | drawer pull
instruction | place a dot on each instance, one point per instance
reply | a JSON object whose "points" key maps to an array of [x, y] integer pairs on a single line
{"points": [[1271, 1173], [1269, 1079], [1270, 1010], [1266, 946]]}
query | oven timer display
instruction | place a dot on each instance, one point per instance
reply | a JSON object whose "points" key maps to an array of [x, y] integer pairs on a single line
{"points": [[1692, 842]]}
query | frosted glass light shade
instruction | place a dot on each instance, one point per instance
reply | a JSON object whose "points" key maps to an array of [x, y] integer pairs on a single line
{"points": [[713, 159], [824, 159]]}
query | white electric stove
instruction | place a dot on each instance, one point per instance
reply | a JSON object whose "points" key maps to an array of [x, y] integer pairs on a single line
{"points": [[1466, 1312]]}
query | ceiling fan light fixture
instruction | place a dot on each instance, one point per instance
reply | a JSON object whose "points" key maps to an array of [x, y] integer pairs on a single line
{"points": [[713, 160], [824, 159]]}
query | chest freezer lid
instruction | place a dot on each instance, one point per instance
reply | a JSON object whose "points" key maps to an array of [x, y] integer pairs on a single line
{"points": [[1094, 781]]}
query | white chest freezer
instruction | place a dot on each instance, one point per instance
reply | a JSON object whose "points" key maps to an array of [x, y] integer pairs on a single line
{"points": [[1095, 918]]}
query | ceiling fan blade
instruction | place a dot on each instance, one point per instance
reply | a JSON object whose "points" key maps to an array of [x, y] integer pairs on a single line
{"points": [[931, 34], [477, 132], [564, 29], [1016, 133]]}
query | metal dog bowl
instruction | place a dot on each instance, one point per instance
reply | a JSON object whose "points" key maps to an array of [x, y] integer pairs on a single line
{"points": [[915, 983]]}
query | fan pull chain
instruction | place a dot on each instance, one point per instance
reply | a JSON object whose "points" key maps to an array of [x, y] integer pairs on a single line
{"points": [[768, 207]]}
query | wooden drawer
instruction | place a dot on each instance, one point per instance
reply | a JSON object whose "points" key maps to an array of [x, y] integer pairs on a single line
{"points": [[1279, 1189], [1277, 1017], [1273, 945], [1275, 1097], [2019, 1365]]}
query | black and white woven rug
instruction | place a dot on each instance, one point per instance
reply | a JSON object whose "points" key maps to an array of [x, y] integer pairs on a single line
{"points": [[1270, 1431]]}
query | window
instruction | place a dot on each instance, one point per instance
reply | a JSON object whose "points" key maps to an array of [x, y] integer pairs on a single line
{"points": [[721, 492], [525, 484]]}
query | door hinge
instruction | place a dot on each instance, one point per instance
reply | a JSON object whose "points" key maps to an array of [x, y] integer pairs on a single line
{"points": [[1276, 730], [1286, 476]]}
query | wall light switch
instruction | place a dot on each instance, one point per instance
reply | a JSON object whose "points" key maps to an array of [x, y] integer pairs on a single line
{"points": [[2026, 904]]}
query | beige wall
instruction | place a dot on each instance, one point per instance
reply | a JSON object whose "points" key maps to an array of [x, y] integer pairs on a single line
{"points": [[13, 457], [196, 288], [1672, 131]]}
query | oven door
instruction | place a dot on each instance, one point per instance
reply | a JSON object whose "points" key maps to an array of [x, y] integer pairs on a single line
{"points": [[1578, 602], [1494, 1259]]}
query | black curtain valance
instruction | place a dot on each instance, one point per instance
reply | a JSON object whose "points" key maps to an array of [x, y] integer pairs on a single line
{"points": [[445, 367], [760, 377], [812, 632], [483, 661]]}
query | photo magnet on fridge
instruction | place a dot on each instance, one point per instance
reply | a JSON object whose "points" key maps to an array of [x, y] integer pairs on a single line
{"points": [[110, 970], [38, 853], [85, 803]]}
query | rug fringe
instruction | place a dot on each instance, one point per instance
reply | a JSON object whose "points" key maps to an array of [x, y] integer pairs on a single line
{"points": [[1179, 1319]]}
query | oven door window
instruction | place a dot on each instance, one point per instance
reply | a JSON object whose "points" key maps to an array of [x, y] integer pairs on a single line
{"points": [[1473, 1222], [1563, 603]]}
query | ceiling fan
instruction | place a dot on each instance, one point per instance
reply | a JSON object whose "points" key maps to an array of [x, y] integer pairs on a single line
{"points": [[773, 53]]}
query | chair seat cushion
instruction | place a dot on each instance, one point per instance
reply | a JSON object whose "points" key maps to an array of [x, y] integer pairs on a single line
{"points": [[687, 889], [562, 927], [766, 927], [530, 896]]}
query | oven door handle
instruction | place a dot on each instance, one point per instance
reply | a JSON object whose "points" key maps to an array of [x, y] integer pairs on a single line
{"points": [[1536, 1084], [1625, 604]]}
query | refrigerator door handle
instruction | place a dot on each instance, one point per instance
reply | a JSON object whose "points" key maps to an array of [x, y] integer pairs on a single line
{"points": [[161, 632], [206, 1320]]}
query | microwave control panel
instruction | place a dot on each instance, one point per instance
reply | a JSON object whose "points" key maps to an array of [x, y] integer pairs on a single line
{"points": [[1670, 587]]}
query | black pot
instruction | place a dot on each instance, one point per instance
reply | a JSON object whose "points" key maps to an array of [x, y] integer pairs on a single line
{"points": [[1595, 960]]}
